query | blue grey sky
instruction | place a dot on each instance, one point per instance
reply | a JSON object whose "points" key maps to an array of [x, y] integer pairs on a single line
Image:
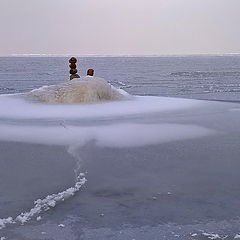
{"points": [[116, 27]]}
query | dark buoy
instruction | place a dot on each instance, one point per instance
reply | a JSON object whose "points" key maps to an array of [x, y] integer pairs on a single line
{"points": [[73, 71], [90, 72], [73, 65], [72, 60], [72, 76], [73, 68]]}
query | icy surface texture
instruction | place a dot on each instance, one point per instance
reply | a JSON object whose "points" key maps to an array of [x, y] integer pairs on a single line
{"points": [[86, 89], [156, 167]]}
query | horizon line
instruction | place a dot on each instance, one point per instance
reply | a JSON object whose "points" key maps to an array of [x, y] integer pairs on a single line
{"points": [[115, 55]]}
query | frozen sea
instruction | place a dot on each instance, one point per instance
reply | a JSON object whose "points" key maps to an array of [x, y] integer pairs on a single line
{"points": [[164, 164]]}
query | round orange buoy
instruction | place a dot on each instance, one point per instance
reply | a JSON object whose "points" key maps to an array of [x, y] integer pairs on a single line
{"points": [[73, 71], [72, 60], [73, 65]]}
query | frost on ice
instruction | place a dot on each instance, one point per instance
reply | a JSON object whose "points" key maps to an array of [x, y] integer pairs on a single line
{"points": [[42, 205]]}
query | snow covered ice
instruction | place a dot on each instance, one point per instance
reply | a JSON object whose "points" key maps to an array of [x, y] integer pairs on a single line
{"points": [[88, 89], [142, 167]]}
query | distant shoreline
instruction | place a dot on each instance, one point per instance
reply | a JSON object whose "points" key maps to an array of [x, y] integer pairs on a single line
{"points": [[124, 55]]}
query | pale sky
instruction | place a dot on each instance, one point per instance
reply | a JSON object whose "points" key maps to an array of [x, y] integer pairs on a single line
{"points": [[113, 27]]}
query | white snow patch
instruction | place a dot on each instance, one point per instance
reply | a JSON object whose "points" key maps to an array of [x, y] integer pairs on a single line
{"points": [[5, 221], [211, 235], [115, 135], [42, 205], [237, 236], [85, 89], [17, 107], [50, 201]]}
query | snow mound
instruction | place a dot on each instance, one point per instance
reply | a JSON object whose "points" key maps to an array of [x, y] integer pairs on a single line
{"points": [[86, 89]]}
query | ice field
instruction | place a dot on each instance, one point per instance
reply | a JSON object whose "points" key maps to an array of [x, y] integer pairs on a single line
{"points": [[143, 167]]}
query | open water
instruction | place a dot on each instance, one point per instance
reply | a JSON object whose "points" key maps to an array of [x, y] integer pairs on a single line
{"points": [[205, 77]]}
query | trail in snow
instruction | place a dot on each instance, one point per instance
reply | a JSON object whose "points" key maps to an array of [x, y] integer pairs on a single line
{"points": [[49, 202]]}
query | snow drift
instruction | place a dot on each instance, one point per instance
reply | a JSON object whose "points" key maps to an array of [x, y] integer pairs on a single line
{"points": [[86, 89]]}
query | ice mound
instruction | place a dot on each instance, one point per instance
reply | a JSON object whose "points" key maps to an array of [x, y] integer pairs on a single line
{"points": [[86, 89]]}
